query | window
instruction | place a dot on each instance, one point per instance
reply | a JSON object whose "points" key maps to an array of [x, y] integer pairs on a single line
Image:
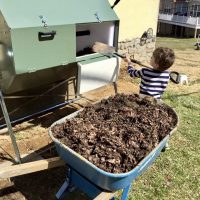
{"points": [[181, 9], [195, 10]]}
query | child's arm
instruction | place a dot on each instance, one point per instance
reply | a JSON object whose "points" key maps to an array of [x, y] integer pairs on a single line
{"points": [[132, 72]]}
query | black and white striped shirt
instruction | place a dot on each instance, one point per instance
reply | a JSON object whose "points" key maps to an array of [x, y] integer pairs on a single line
{"points": [[153, 82]]}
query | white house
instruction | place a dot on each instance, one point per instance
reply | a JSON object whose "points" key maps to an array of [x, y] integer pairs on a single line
{"points": [[179, 18]]}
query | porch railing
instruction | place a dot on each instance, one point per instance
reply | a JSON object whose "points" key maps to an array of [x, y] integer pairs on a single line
{"points": [[194, 21]]}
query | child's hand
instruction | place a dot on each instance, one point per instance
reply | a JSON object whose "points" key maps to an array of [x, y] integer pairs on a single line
{"points": [[127, 59]]}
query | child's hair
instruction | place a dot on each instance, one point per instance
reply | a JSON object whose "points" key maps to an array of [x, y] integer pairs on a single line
{"points": [[164, 58]]}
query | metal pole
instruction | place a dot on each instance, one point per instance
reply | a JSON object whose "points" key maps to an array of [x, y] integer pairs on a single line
{"points": [[195, 30], [195, 33], [12, 136]]}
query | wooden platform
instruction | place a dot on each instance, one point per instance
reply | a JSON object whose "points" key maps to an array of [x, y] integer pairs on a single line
{"points": [[105, 196], [29, 167], [9, 170]]}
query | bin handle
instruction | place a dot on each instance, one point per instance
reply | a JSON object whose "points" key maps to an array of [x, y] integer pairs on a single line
{"points": [[43, 36]]}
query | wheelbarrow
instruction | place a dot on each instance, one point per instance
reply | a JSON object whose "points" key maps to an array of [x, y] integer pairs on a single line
{"points": [[93, 180]]}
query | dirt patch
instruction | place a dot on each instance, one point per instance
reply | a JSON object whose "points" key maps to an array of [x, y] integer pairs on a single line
{"points": [[117, 133]]}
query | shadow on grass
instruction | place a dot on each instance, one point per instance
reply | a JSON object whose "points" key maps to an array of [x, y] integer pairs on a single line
{"points": [[196, 61], [195, 82], [180, 95]]}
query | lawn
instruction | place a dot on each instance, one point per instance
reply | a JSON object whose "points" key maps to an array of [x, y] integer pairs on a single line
{"points": [[180, 44], [175, 175]]}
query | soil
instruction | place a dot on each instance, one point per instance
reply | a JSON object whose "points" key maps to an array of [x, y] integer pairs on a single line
{"points": [[85, 51], [117, 133]]}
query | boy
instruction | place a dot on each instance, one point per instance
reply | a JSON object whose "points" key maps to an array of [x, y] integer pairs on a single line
{"points": [[154, 81]]}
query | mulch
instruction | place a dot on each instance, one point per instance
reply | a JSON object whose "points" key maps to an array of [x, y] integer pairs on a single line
{"points": [[117, 133]]}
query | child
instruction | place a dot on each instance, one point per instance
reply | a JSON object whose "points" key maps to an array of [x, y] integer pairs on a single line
{"points": [[154, 81]]}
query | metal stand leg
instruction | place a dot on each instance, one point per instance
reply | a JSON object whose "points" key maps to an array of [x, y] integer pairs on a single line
{"points": [[8, 123], [125, 192], [75, 87], [116, 74], [115, 87]]}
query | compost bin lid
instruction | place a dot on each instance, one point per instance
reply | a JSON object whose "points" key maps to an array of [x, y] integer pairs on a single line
{"points": [[27, 13]]}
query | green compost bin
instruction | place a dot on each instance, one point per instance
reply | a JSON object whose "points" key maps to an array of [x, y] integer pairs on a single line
{"points": [[41, 35]]}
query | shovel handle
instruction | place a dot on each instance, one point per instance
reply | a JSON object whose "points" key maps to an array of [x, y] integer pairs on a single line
{"points": [[132, 60], [174, 76]]}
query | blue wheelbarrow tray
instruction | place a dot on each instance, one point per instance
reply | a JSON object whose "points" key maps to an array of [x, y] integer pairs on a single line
{"points": [[105, 180]]}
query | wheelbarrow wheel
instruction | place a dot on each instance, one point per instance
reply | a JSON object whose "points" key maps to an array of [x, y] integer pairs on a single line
{"points": [[166, 147]]}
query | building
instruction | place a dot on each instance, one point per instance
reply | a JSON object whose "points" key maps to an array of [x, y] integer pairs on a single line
{"points": [[136, 17], [179, 18]]}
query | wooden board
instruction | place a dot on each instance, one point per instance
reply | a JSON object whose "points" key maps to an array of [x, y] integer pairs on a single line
{"points": [[30, 167], [104, 196]]}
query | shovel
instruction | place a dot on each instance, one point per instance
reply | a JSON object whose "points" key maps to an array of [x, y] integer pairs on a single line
{"points": [[107, 50], [110, 51]]}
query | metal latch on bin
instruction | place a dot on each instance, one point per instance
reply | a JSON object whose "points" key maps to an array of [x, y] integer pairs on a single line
{"points": [[97, 17], [43, 20]]}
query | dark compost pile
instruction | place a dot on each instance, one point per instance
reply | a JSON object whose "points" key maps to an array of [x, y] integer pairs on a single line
{"points": [[85, 51], [117, 133]]}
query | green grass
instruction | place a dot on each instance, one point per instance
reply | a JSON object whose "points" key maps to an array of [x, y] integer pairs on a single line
{"points": [[176, 43], [175, 175]]}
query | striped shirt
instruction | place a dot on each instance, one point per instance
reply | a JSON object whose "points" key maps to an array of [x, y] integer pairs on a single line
{"points": [[153, 82]]}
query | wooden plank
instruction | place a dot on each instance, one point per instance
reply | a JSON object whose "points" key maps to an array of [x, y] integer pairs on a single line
{"points": [[30, 167], [24, 157], [104, 196]]}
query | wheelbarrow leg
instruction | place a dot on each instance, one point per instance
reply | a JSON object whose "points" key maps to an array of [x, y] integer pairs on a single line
{"points": [[61, 192], [125, 192], [66, 187]]}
